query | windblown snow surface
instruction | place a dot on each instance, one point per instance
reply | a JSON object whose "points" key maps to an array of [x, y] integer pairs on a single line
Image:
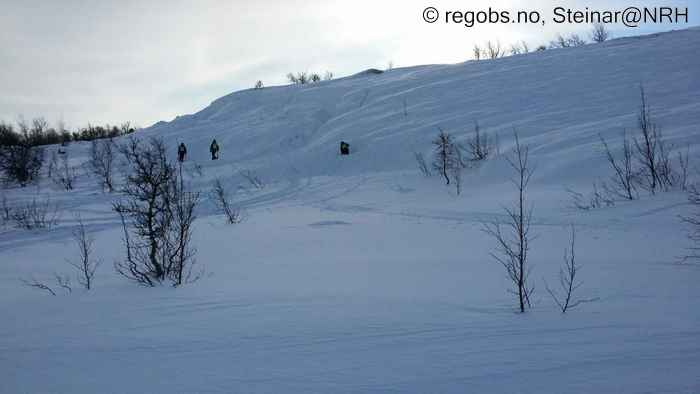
{"points": [[358, 274]]}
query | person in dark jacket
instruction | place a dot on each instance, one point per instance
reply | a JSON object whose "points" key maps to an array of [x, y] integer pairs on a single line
{"points": [[214, 149], [181, 152], [344, 148]]}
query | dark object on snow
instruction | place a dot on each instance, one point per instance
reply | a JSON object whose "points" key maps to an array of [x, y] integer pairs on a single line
{"points": [[214, 149], [370, 71], [181, 152], [344, 148]]}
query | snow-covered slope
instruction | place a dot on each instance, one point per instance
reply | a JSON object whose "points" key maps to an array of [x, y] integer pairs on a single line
{"points": [[357, 274], [558, 100]]}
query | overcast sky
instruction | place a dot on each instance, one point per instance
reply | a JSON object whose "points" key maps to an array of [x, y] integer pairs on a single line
{"points": [[143, 61]]}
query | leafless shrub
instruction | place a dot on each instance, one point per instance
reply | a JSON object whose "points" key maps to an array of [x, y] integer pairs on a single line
{"points": [[480, 146], [567, 279], [221, 197], [102, 155], [654, 156], [157, 217], [37, 285], [181, 258], [525, 48], [681, 176], [513, 238], [300, 78], [144, 211], [580, 201], [657, 171], [63, 281], [493, 50], [65, 175], [32, 132], [648, 147], [693, 221], [599, 197], [422, 165], [35, 215], [559, 42], [600, 33], [477, 52], [576, 41], [21, 163], [623, 182], [446, 155], [515, 49], [253, 178], [667, 172], [646, 162], [8, 136], [5, 209], [86, 264], [573, 40], [519, 48], [303, 78], [39, 133]]}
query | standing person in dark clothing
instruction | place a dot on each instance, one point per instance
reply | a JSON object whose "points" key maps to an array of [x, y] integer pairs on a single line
{"points": [[214, 149], [344, 148], [181, 152]]}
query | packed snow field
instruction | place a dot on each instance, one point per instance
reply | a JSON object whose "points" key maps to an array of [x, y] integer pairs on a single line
{"points": [[357, 273]]}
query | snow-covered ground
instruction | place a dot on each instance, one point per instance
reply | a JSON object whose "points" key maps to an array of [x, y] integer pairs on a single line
{"points": [[357, 274]]}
